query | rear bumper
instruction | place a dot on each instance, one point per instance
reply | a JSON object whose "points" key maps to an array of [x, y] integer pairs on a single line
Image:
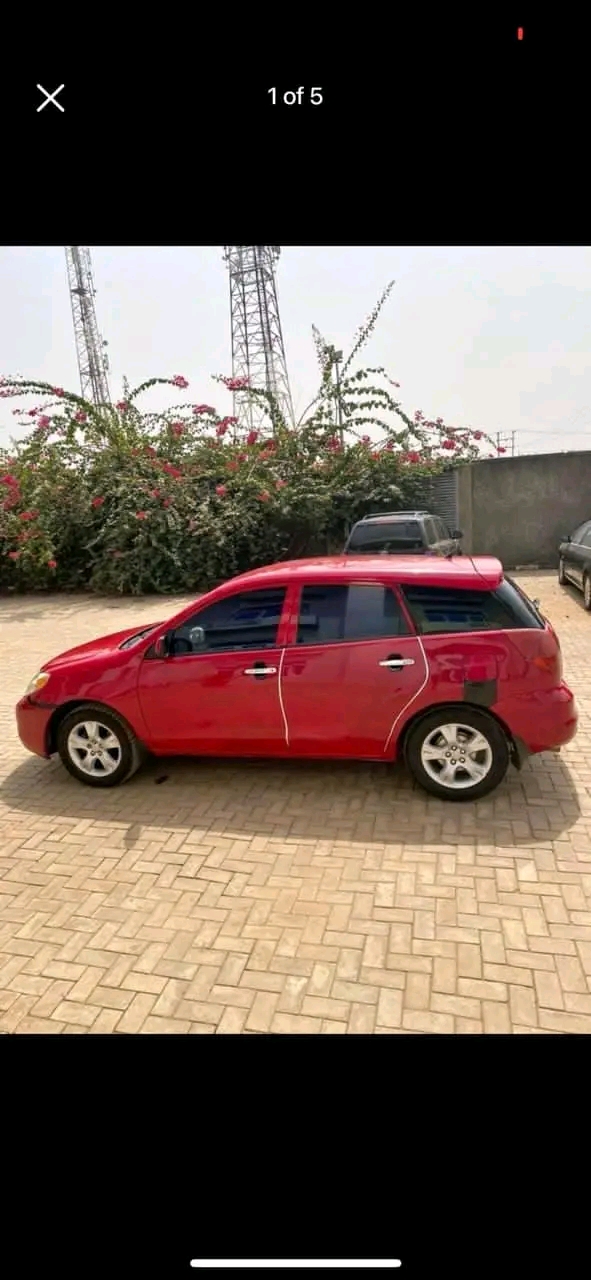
{"points": [[32, 721], [543, 721]]}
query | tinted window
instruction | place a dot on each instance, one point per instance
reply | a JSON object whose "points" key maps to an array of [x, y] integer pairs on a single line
{"points": [[586, 538], [246, 621], [441, 609], [442, 531], [402, 535], [579, 533], [332, 614]]}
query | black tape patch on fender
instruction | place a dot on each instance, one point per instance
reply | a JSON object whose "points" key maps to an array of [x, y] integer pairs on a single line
{"points": [[481, 692]]}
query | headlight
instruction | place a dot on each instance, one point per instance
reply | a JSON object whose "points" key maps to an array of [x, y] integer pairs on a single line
{"points": [[38, 682]]}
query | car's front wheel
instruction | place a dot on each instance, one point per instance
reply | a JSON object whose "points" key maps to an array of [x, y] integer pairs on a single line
{"points": [[457, 753], [97, 747], [561, 573]]}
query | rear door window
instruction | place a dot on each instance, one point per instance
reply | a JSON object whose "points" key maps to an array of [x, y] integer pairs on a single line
{"points": [[333, 614]]}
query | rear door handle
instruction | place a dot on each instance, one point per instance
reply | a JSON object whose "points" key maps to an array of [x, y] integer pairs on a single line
{"points": [[261, 670], [395, 662]]}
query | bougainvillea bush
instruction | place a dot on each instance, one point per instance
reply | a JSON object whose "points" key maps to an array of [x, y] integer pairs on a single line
{"points": [[115, 500]]}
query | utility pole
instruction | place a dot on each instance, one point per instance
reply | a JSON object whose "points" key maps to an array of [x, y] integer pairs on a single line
{"points": [[337, 359], [507, 442], [258, 352], [93, 365]]}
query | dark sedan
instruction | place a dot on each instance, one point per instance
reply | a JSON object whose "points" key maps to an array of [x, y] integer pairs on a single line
{"points": [[574, 566]]}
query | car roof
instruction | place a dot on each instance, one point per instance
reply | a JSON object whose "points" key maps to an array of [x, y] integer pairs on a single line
{"points": [[390, 517], [483, 573]]}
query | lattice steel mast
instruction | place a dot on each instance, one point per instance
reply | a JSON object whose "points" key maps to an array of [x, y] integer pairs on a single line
{"points": [[90, 348], [257, 342]]}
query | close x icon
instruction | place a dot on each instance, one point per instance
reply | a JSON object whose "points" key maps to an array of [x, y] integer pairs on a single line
{"points": [[50, 98]]}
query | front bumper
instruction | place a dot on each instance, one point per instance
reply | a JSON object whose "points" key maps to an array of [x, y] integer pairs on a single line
{"points": [[32, 722]]}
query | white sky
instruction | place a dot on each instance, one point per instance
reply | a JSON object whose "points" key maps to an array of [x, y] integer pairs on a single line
{"points": [[494, 338]]}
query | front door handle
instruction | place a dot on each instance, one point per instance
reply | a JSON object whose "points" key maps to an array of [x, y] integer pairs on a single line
{"points": [[260, 670], [396, 661]]}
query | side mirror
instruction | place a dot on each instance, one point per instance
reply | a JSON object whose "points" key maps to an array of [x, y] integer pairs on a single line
{"points": [[161, 647], [567, 538], [457, 533]]}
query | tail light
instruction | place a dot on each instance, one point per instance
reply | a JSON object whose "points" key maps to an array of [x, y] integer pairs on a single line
{"points": [[550, 664]]}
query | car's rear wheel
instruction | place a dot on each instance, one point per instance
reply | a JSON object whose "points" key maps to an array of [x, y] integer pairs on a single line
{"points": [[587, 591], [561, 573], [97, 747], [458, 753]]}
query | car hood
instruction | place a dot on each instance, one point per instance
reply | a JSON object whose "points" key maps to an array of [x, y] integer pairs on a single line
{"points": [[103, 645]]}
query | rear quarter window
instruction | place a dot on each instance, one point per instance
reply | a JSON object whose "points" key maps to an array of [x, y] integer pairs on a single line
{"points": [[437, 610]]}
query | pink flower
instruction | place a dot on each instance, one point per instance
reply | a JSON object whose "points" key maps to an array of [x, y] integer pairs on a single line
{"points": [[141, 515], [439, 422], [97, 502], [501, 449], [154, 493], [10, 480], [236, 384], [148, 449], [375, 455], [122, 405], [264, 496], [58, 391], [281, 484], [43, 423], [52, 564], [232, 466], [177, 428], [414, 457], [221, 490], [366, 440], [179, 381], [203, 408], [171, 471], [221, 429], [333, 443], [241, 457], [252, 437], [478, 435], [33, 412], [28, 515], [13, 555], [80, 416], [167, 502], [418, 415], [448, 444]]}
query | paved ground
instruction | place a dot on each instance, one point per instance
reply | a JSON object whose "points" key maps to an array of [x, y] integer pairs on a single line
{"points": [[208, 896]]}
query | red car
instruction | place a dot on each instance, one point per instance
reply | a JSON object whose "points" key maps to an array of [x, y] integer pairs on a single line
{"points": [[445, 663]]}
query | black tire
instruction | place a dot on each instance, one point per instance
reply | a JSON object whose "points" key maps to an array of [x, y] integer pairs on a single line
{"points": [[587, 592], [131, 752], [475, 720], [561, 573]]}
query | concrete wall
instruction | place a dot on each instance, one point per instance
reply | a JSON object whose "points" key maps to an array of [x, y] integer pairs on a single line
{"points": [[519, 508]]}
